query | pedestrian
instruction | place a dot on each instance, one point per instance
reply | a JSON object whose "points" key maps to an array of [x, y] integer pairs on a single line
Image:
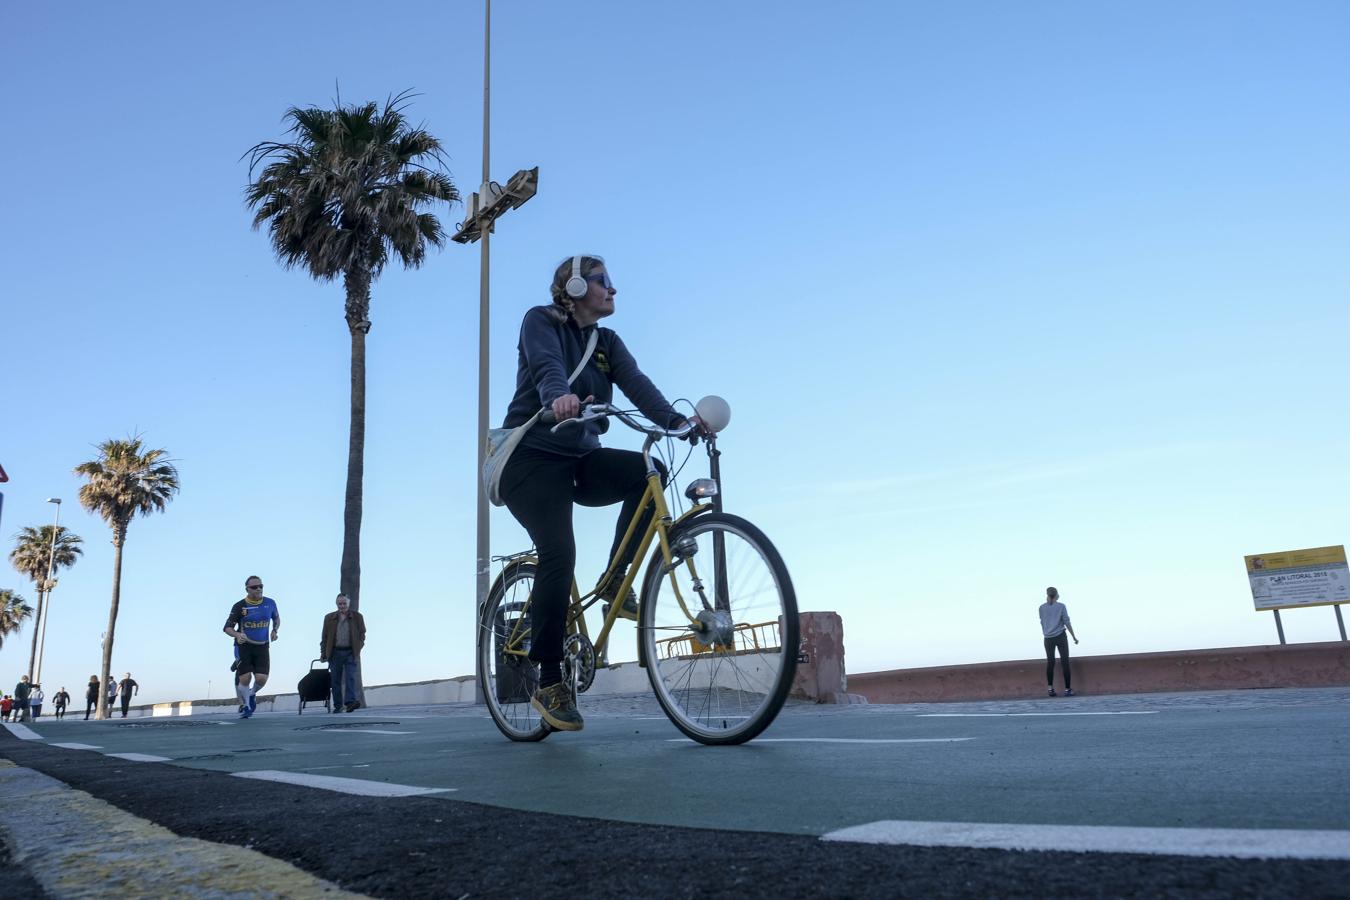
{"points": [[62, 700], [6, 707], [127, 687], [35, 701], [112, 696], [90, 696], [247, 626], [21, 692], [340, 643], [563, 356], [1054, 624]]}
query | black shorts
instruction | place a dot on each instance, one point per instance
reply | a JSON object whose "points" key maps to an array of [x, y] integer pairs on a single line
{"points": [[254, 659]]}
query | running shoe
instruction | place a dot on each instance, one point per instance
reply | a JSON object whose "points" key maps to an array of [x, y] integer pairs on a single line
{"points": [[1052, 692], [629, 609], [1068, 692], [555, 704], [246, 713], [252, 702]]}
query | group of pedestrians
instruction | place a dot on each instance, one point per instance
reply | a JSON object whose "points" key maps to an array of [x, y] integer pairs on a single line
{"points": [[254, 623], [26, 702], [28, 698]]}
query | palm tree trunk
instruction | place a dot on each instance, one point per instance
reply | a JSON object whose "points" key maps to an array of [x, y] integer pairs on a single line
{"points": [[119, 539], [32, 655], [358, 308]]}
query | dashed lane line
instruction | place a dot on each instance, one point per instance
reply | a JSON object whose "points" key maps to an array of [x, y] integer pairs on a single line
{"points": [[357, 786], [338, 729], [808, 740], [75, 845], [139, 757], [1254, 843], [78, 746], [23, 732], [1133, 712]]}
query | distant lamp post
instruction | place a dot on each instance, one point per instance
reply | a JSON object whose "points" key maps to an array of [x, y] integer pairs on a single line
{"points": [[482, 211], [48, 585]]}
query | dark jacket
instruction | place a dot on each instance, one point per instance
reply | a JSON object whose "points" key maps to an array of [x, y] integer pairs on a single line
{"points": [[91, 692], [550, 348], [21, 693], [329, 634]]}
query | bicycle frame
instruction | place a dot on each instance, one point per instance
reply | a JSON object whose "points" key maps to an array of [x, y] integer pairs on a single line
{"points": [[659, 528]]}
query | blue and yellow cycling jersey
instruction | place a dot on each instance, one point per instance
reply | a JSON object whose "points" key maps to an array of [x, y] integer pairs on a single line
{"points": [[254, 619]]}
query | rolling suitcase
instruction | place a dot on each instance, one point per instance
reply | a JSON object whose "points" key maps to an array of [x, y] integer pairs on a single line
{"points": [[315, 687]]}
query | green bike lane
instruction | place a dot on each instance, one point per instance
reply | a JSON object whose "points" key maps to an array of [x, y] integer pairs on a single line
{"points": [[1002, 796], [1105, 761]]}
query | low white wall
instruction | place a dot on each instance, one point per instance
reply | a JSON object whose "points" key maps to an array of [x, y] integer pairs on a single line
{"points": [[620, 678]]}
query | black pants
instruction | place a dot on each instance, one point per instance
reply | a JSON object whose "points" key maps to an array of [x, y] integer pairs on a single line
{"points": [[89, 706], [126, 704], [539, 489], [1060, 641]]}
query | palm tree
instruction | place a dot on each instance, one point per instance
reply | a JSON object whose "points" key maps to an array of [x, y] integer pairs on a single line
{"points": [[13, 610], [339, 199], [126, 479], [36, 555]]}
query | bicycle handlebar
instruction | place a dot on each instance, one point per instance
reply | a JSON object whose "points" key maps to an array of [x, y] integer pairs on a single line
{"points": [[592, 411]]}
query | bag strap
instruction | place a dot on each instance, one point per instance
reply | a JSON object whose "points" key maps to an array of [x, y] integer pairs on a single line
{"points": [[585, 357]]}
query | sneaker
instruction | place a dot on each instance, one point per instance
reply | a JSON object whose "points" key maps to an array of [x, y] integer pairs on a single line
{"points": [[1068, 692], [252, 703], [1052, 692], [353, 706], [629, 609], [245, 713], [558, 709]]}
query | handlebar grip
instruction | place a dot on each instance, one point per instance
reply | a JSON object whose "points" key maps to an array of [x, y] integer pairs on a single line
{"points": [[548, 418]]}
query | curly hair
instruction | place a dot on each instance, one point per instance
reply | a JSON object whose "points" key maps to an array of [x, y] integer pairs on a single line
{"points": [[562, 303]]}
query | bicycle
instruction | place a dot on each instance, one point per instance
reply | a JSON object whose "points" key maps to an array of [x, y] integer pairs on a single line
{"points": [[717, 615]]}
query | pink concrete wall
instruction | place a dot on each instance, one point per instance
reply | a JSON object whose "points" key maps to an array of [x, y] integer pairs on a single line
{"points": [[1227, 668]]}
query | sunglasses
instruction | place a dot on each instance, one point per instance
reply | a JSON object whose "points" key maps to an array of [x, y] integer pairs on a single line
{"points": [[603, 279], [253, 587]]}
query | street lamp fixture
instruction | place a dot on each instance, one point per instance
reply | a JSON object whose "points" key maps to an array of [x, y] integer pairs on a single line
{"points": [[491, 200]]}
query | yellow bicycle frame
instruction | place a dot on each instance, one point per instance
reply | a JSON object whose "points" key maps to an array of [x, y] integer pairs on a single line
{"points": [[659, 527]]}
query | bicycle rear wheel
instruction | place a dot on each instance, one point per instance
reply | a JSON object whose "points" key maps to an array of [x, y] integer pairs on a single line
{"points": [[719, 629], [508, 677]]}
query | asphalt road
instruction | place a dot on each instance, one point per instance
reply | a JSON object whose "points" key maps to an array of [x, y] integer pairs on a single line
{"points": [[629, 807]]}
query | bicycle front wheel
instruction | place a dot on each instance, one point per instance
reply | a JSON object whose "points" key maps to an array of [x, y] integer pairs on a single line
{"points": [[507, 676], [719, 629]]}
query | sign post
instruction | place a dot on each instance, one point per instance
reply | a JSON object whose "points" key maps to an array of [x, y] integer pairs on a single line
{"points": [[1295, 578]]}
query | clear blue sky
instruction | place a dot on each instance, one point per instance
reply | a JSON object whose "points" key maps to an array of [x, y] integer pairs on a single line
{"points": [[1002, 296]]}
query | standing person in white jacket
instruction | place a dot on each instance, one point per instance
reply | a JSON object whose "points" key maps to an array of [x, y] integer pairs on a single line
{"points": [[1054, 624]]}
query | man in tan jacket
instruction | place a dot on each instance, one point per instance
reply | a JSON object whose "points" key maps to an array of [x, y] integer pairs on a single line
{"points": [[344, 634]]}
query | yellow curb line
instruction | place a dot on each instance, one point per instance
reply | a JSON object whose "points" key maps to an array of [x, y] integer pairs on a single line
{"points": [[76, 845]]}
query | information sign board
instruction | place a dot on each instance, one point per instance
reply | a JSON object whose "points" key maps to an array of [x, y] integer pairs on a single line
{"points": [[1293, 578]]}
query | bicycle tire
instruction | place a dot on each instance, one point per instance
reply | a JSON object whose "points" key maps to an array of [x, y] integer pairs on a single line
{"points": [[729, 690], [507, 682]]}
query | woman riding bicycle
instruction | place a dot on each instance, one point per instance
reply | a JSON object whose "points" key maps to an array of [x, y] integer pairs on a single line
{"points": [[549, 472]]}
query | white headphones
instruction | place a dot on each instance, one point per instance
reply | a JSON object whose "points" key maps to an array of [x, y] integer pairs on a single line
{"points": [[576, 286]]}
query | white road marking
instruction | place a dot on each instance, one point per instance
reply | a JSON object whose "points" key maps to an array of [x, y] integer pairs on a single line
{"points": [[1143, 712], [861, 740], [1254, 843], [356, 786], [139, 757], [341, 730], [23, 732], [78, 746], [847, 740]]}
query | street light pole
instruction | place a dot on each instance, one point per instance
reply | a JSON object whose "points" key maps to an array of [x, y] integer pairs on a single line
{"points": [[483, 563], [484, 207], [47, 607]]}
